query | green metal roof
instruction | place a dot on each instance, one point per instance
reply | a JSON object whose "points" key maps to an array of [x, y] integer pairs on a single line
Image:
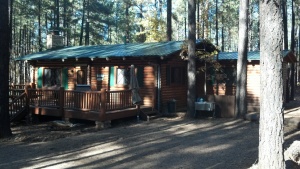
{"points": [[155, 49], [252, 55]]}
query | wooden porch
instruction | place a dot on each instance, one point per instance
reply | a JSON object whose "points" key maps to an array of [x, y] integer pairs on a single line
{"points": [[97, 106]]}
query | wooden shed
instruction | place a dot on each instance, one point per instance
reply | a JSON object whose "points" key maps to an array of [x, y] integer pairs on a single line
{"points": [[222, 84], [159, 68]]}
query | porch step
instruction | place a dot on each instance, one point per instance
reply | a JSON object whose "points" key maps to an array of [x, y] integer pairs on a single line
{"points": [[149, 113], [18, 116]]}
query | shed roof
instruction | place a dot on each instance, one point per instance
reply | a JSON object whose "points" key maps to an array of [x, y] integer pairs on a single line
{"points": [[155, 49], [255, 55]]}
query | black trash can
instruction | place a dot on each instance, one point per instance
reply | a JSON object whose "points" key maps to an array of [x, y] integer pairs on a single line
{"points": [[172, 106]]}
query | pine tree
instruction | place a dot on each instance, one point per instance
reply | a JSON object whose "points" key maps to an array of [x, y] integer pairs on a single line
{"points": [[241, 84], [271, 84], [5, 130]]}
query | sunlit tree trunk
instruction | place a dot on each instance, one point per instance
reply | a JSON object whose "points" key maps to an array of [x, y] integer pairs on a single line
{"points": [[241, 83], [271, 84], [5, 130], [191, 66]]}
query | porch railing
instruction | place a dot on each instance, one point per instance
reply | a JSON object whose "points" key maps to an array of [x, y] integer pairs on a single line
{"points": [[17, 106], [82, 100], [16, 90], [101, 101]]}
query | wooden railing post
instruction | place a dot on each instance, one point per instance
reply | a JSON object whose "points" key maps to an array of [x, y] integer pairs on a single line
{"points": [[27, 97], [103, 105], [33, 85], [61, 101]]}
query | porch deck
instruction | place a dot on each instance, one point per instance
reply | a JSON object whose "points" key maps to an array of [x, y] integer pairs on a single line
{"points": [[88, 105]]}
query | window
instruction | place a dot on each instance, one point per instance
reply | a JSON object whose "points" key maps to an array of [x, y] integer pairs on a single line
{"points": [[81, 78], [123, 76], [120, 76], [227, 75], [230, 73], [52, 77], [176, 75]]}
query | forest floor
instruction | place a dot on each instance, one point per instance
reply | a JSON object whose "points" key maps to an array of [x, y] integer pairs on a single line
{"points": [[166, 142]]}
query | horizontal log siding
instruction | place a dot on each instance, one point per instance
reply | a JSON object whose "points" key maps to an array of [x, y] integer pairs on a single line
{"points": [[253, 87], [147, 90], [93, 78], [173, 91], [103, 84]]}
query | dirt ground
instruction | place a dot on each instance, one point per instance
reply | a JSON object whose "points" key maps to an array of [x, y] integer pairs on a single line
{"points": [[166, 142]]}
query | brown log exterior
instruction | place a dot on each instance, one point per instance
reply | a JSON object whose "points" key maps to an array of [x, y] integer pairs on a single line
{"points": [[253, 86]]}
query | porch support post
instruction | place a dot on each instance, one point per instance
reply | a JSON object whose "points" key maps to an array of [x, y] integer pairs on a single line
{"points": [[27, 103], [102, 122], [61, 102], [103, 105]]}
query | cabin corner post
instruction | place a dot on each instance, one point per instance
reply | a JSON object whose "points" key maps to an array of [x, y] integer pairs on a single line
{"points": [[61, 102]]}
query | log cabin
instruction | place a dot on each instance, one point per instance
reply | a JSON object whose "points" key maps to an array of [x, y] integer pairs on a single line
{"points": [[160, 70], [220, 86]]}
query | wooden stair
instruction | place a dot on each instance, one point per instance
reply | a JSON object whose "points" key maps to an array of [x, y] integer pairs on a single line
{"points": [[148, 113], [18, 109]]}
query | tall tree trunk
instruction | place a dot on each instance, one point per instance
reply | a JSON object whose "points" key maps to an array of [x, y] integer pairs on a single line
{"points": [[206, 20], [57, 14], [87, 26], [198, 19], [222, 45], [285, 26], [65, 24], [127, 31], [191, 66], [185, 22], [292, 95], [241, 83], [5, 130], [271, 86], [169, 20], [82, 23], [217, 28], [39, 29]]}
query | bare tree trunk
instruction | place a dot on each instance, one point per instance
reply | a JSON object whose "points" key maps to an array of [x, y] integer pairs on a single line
{"points": [[169, 20], [191, 66], [271, 84], [217, 28], [87, 26], [5, 130], [222, 45], [292, 95], [198, 19], [127, 32], [39, 29], [285, 29], [57, 14], [241, 84], [82, 23]]}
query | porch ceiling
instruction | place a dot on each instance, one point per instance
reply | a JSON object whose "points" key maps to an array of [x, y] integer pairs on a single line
{"points": [[155, 49]]}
